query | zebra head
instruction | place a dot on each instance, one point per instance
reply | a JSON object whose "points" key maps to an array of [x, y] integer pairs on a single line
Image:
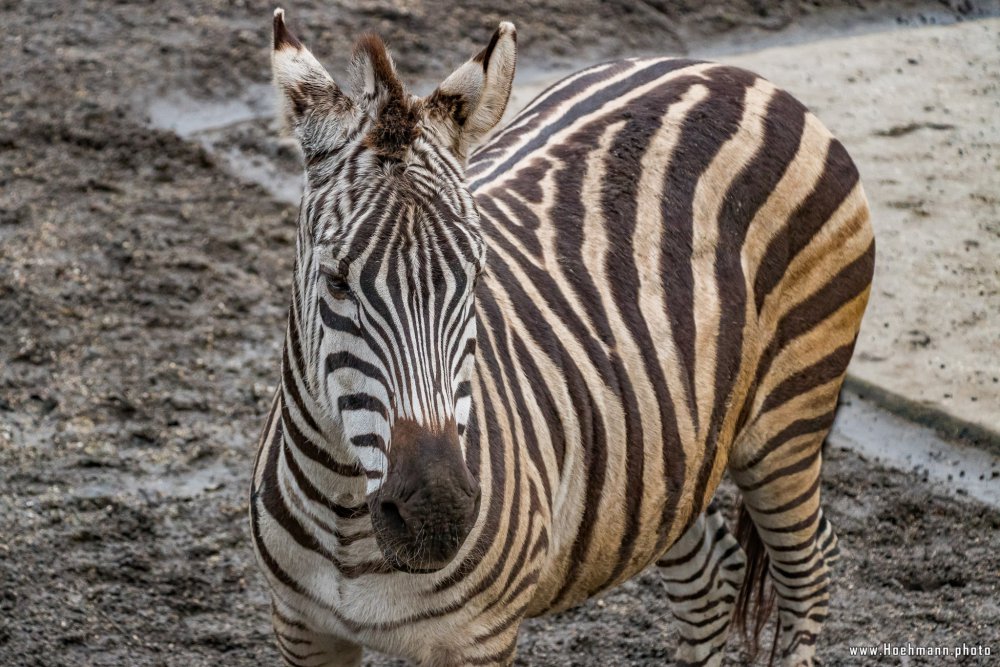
{"points": [[389, 251]]}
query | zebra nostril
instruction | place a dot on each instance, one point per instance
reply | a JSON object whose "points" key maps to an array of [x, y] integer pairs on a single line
{"points": [[392, 518]]}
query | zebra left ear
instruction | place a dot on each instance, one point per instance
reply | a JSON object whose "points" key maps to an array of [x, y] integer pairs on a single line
{"points": [[471, 101], [309, 101]]}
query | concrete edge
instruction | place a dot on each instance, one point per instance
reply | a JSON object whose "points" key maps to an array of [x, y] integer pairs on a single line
{"points": [[944, 424]]}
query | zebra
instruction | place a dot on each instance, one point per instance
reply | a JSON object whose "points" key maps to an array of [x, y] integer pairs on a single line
{"points": [[515, 370]]}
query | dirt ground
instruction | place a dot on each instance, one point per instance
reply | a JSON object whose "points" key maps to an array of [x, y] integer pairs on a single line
{"points": [[142, 295]]}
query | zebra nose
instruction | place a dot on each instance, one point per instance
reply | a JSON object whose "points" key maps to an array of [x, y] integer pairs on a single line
{"points": [[423, 531], [429, 526], [428, 502]]}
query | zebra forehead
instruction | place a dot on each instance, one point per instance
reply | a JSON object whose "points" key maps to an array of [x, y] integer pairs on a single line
{"points": [[395, 127], [420, 231]]}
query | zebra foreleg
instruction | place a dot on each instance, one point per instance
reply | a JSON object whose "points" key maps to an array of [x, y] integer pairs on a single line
{"points": [[300, 646], [703, 573]]}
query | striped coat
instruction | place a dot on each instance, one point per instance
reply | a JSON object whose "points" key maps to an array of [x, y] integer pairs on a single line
{"points": [[678, 255]]}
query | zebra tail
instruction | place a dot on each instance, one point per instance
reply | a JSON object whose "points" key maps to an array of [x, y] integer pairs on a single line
{"points": [[756, 598]]}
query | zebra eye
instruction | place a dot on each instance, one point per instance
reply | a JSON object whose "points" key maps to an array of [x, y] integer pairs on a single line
{"points": [[336, 283]]}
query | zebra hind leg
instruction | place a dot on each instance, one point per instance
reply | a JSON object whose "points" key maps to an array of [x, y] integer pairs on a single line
{"points": [[703, 573], [786, 536], [827, 540], [300, 646]]}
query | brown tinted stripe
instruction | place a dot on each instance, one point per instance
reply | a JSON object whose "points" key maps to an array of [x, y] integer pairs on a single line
{"points": [[797, 428], [801, 465], [838, 179], [750, 189], [823, 371], [710, 123], [798, 525], [513, 615], [852, 279], [792, 504], [501, 657], [848, 283]]}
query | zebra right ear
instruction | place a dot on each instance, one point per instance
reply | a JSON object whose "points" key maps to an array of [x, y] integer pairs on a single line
{"points": [[308, 99], [471, 101]]}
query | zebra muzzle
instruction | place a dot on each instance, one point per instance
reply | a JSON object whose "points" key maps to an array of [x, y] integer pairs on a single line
{"points": [[429, 501]]}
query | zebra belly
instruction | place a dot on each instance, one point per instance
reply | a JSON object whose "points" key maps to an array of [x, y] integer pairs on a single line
{"points": [[598, 542]]}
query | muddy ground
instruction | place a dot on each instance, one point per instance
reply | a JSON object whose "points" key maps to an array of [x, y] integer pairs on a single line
{"points": [[142, 295]]}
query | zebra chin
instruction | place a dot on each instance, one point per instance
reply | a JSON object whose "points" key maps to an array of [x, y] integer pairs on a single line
{"points": [[429, 501]]}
